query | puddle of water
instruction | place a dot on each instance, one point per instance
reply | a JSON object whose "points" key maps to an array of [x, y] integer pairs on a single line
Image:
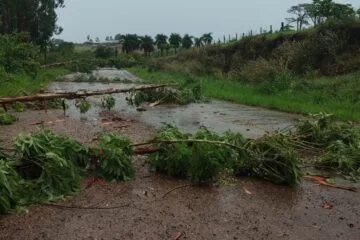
{"points": [[217, 116], [111, 74]]}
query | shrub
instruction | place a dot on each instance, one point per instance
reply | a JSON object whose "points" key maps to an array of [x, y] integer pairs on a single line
{"points": [[17, 56], [6, 118], [259, 70]]}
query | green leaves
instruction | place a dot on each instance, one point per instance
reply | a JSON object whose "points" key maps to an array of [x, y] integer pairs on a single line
{"points": [[203, 155], [6, 118], [167, 95], [84, 106], [108, 102], [49, 167], [115, 157]]}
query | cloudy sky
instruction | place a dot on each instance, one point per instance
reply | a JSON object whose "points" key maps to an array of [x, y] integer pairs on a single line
{"points": [[108, 17]]}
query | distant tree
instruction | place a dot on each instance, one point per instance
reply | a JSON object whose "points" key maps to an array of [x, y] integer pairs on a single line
{"points": [[301, 16], [342, 10], [207, 38], [97, 40], [107, 38], [88, 38], [187, 41], [175, 41], [118, 37], [110, 38], [161, 41], [198, 42], [103, 52], [321, 10], [131, 42], [147, 44], [167, 48], [36, 17], [358, 12]]}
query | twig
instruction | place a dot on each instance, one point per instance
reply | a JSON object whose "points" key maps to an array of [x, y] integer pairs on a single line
{"points": [[174, 189]]}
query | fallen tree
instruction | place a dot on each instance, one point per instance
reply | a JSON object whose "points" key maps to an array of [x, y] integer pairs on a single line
{"points": [[77, 94]]}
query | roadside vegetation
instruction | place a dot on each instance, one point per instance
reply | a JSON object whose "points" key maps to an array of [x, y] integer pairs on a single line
{"points": [[305, 71], [44, 166]]}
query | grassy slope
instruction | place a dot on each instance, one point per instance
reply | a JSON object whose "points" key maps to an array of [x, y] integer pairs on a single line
{"points": [[21, 84], [331, 95]]}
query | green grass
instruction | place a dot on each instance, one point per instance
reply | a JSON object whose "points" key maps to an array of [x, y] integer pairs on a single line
{"points": [[23, 84], [337, 95]]}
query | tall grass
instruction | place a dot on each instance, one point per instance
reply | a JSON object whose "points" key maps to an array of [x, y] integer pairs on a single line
{"points": [[23, 84], [335, 95]]}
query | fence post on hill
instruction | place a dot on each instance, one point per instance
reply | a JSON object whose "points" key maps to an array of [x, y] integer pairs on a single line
{"points": [[236, 36], [271, 30]]}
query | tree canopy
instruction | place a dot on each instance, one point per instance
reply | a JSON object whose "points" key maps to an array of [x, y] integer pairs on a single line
{"points": [[35, 17], [175, 40]]}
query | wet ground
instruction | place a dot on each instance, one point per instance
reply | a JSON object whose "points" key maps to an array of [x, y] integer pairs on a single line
{"points": [[147, 208], [217, 116]]}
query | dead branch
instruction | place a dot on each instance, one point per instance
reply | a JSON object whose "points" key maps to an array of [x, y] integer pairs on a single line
{"points": [[77, 94]]}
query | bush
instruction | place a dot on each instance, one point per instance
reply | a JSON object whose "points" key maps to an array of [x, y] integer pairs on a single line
{"points": [[259, 70], [104, 52], [17, 56], [6, 118]]}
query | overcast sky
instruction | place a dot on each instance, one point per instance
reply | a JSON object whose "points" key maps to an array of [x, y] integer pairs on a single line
{"points": [[108, 17]]}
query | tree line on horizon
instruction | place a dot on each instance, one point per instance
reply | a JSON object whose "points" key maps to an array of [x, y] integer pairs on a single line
{"points": [[133, 42]]}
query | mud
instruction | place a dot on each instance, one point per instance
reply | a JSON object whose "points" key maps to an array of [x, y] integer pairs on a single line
{"points": [[147, 208]]}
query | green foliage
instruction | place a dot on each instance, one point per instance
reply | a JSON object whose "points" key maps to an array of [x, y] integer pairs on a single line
{"points": [[17, 56], [167, 95], [43, 142], [22, 84], [324, 129], [200, 162], [9, 186], [6, 118], [83, 105], [187, 41], [47, 166], [104, 52], [108, 102], [147, 44], [18, 106], [115, 161], [271, 158], [201, 156], [341, 142], [175, 40], [50, 164]]}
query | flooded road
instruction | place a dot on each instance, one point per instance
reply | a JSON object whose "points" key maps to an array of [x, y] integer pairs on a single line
{"points": [[152, 206], [217, 116]]}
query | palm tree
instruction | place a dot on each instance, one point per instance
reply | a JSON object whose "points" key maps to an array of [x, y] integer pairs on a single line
{"points": [[161, 41], [207, 38], [198, 42], [187, 41], [131, 42], [147, 44], [175, 40]]}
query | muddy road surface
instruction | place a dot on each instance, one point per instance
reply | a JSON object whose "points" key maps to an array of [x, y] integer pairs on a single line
{"points": [[155, 207]]}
